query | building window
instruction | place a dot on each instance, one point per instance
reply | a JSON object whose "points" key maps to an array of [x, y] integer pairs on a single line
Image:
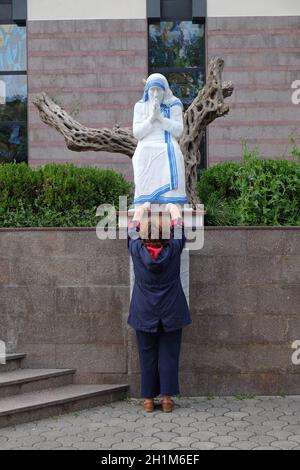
{"points": [[13, 86], [177, 50]]}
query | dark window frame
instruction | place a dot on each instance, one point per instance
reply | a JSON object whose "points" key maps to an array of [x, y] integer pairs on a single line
{"points": [[8, 4], [10, 21], [184, 10]]}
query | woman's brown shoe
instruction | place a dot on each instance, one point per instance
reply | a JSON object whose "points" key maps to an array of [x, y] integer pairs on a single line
{"points": [[167, 404], [149, 404]]}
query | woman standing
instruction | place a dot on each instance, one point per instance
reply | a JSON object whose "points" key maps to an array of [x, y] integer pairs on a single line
{"points": [[158, 308]]}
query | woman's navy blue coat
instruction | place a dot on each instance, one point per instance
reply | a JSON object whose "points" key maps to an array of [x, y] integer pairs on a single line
{"points": [[157, 291]]}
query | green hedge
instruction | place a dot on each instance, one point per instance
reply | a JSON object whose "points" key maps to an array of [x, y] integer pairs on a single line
{"points": [[57, 195], [255, 191]]}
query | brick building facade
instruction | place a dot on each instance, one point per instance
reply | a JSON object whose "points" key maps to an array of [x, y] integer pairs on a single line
{"points": [[91, 57]]}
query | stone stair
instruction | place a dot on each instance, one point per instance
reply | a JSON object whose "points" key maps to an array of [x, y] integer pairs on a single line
{"points": [[31, 394]]}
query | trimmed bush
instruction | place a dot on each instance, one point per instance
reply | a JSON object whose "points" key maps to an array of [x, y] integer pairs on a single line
{"points": [[57, 195], [255, 191]]}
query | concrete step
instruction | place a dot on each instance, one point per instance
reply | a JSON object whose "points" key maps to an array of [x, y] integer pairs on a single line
{"points": [[19, 381], [13, 362], [27, 407]]}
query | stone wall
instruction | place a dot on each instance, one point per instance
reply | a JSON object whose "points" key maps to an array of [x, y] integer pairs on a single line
{"points": [[64, 297]]}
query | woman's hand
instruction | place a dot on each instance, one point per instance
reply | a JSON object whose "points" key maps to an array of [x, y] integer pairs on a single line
{"points": [[139, 211], [174, 211]]}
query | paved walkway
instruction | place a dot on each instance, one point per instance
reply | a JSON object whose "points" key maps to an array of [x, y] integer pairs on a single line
{"points": [[195, 423]]}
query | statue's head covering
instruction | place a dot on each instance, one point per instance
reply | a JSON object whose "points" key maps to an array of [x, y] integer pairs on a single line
{"points": [[159, 80]]}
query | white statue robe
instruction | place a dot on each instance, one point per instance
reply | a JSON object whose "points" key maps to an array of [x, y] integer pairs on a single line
{"points": [[158, 163]]}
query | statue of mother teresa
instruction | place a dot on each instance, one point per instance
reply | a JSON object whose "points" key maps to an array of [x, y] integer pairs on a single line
{"points": [[158, 163]]}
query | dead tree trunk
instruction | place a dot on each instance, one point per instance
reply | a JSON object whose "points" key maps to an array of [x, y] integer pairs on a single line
{"points": [[206, 107]]}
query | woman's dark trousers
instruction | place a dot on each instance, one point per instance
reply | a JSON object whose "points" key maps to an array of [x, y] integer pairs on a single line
{"points": [[159, 361]]}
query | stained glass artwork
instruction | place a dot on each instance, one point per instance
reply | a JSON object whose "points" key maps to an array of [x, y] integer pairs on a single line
{"points": [[177, 50], [13, 93], [176, 44], [185, 85], [12, 47]]}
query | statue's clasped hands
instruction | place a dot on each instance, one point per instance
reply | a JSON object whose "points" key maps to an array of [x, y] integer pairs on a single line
{"points": [[156, 112]]}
